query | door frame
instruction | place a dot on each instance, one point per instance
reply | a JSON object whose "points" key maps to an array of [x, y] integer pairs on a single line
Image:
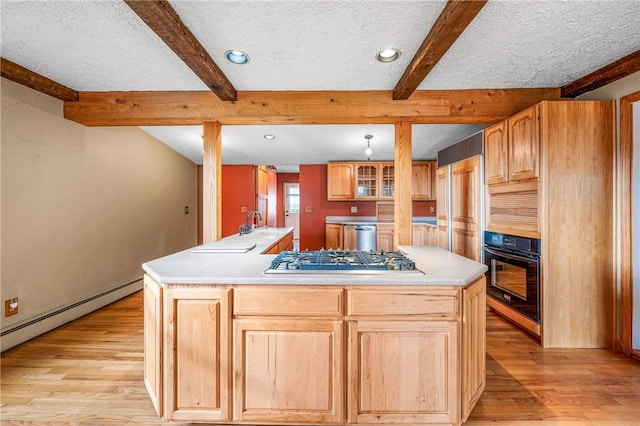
{"points": [[284, 206], [626, 248]]}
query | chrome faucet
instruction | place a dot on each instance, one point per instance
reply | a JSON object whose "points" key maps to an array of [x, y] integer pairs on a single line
{"points": [[246, 228]]}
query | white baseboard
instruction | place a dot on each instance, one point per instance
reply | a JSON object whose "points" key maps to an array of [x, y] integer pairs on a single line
{"points": [[28, 329]]}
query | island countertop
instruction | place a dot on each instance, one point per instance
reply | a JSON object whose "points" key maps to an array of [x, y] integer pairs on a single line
{"points": [[206, 264]]}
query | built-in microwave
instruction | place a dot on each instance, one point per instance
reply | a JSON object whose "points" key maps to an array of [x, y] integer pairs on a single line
{"points": [[513, 276]]}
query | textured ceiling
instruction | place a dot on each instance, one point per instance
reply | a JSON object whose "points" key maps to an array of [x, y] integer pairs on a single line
{"points": [[317, 45]]}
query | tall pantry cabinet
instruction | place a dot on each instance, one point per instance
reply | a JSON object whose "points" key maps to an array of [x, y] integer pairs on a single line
{"points": [[549, 175]]}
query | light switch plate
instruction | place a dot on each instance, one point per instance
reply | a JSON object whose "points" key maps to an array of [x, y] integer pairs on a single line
{"points": [[354, 209]]}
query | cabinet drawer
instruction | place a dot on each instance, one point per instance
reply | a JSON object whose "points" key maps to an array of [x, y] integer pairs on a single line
{"points": [[280, 301], [367, 302]]}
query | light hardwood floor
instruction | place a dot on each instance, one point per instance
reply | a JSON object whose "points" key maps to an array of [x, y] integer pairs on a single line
{"points": [[89, 372]]}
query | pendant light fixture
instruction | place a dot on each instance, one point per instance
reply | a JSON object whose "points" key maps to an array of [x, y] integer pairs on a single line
{"points": [[368, 151]]}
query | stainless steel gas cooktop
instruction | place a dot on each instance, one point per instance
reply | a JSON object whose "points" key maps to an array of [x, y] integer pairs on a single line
{"points": [[341, 261]]}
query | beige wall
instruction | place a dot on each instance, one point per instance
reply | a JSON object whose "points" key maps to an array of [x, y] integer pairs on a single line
{"points": [[83, 208], [615, 91]]}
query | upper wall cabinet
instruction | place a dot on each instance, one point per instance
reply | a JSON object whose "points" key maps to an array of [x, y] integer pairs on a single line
{"points": [[340, 181], [367, 175], [512, 148], [423, 176], [376, 181]]}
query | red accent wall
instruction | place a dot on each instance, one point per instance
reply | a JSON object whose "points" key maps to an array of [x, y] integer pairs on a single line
{"points": [[238, 190], [421, 208], [313, 195], [282, 179]]}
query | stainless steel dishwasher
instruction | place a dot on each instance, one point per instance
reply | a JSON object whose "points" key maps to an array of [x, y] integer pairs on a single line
{"points": [[359, 237]]}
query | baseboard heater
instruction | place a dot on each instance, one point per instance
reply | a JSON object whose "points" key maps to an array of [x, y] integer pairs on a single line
{"points": [[34, 327]]}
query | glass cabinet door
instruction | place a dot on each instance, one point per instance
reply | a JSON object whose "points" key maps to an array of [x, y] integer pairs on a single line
{"points": [[387, 181], [367, 180]]}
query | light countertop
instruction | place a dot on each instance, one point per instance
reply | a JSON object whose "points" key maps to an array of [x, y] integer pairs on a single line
{"points": [[198, 266]]}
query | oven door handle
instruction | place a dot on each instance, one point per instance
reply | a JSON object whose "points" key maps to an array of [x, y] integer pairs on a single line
{"points": [[511, 256]]}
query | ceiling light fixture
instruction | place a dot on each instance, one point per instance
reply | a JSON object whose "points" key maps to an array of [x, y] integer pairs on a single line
{"points": [[269, 137], [237, 56], [388, 55], [368, 150]]}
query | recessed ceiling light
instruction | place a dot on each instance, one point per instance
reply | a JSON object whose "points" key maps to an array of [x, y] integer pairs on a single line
{"points": [[388, 55], [269, 137], [237, 56]]}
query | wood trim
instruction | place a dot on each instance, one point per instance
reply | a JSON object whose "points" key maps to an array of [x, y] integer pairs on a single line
{"points": [[605, 75], [302, 107], [165, 22], [454, 19], [402, 207], [212, 182], [33, 80], [626, 220]]}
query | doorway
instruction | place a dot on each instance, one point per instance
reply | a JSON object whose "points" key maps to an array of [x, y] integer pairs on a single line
{"points": [[292, 210], [630, 224]]}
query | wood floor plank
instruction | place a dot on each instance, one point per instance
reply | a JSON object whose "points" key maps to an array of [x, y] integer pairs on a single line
{"points": [[89, 372]]}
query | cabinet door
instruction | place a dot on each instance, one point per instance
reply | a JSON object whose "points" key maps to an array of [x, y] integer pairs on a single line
{"points": [[367, 180], [465, 194], [197, 354], [443, 237], [431, 235], [524, 145], [387, 180], [153, 341], [384, 236], [340, 181], [262, 195], [422, 180], [403, 372], [466, 242], [473, 345], [333, 236], [496, 153], [417, 235], [442, 193], [288, 371]]}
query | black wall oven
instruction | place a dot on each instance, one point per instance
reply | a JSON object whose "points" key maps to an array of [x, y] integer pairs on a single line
{"points": [[513, 277]]}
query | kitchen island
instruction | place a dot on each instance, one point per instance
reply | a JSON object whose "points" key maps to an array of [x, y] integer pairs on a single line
{"points": [[227, 343]]}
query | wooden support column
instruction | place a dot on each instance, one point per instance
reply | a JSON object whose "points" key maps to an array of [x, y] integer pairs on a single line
{"points": [[212, 181], [402, 208]]}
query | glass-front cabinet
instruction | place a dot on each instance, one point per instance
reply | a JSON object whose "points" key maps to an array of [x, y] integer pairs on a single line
{"points": [[367, 180], [387, 181]]}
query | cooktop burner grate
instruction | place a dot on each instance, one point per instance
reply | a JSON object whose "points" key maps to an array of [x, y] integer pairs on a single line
{"points": [[341, 260]]}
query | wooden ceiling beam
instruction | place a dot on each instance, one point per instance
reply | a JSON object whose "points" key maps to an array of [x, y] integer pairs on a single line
{"points": [[32, 80], [605, 75], [165, 22], [308, 107], [453, 20]]}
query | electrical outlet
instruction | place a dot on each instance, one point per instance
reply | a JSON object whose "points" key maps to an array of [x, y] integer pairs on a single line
{"points": [[243, 209], [186, 209], [11, 306], [354, 209], [432, 209]]}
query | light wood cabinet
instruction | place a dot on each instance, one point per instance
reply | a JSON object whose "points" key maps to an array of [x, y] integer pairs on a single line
{"points": [[197, 354], [340, 181], [288, 370], [333, 236], [384, 238], [417, 235], [387, 180], [262, 195], [367, 180], [474, 354], [411, 355], [153, 342], [423, 180], [512, 148], [496, 153], [524, 145], [465, 208], [442, 206], [430, 235], [403, 372]]}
